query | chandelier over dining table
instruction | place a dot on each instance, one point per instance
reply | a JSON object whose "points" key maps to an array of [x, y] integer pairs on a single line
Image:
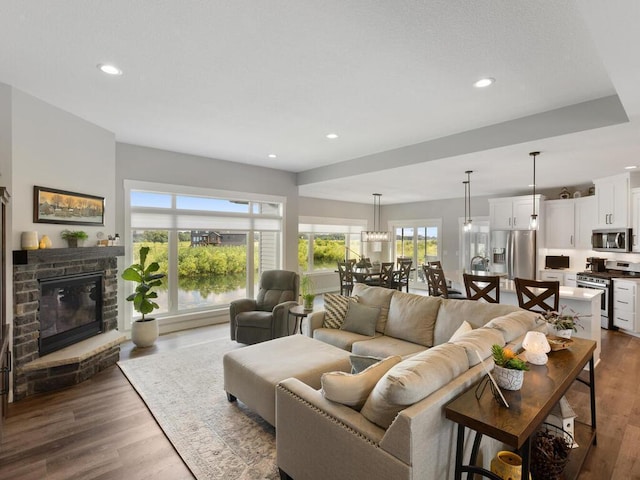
{"points": [[375, 235]]}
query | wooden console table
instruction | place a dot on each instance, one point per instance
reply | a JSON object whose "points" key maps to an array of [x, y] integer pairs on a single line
{"points": [[543, 387]]}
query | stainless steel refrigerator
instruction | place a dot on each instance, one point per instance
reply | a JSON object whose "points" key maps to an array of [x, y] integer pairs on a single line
{"points": [[514, 253]]}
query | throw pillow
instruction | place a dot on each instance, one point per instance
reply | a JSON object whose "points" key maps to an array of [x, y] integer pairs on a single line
{"points": [[462, 329], [362, 362], [353, 390], [335, 307], [361, 319]]}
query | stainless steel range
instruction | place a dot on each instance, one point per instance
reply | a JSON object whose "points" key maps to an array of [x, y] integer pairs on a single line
{"points": [[604, 281]]}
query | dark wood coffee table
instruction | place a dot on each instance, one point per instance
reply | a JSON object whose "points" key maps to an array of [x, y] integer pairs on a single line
{"points": [[529, 407]]}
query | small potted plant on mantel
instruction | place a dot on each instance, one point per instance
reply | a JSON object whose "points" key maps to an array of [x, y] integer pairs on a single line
{"points": [[144, 331], [74, 238]]}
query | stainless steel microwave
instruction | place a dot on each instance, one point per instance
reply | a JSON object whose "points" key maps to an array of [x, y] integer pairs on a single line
{"points": [[611, 240]]}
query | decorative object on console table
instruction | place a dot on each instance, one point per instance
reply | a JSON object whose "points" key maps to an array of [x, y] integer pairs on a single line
{"points": [[550, 452], [51, 205], [509, 369], [144, 331], [563, 324], [507, 465], [536, 348], [74, 238]]}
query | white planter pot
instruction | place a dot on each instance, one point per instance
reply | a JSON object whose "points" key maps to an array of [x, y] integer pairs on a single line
{"points": [[144, 334], [563, 333], [508, 378]]}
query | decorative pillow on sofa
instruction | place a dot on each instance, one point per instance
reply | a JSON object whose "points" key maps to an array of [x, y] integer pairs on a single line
{"points": [[465, 327], [360, 363], [361, 319], [480, 340], [412, 380], [335, 307], [375, 297], [514, 324], [353, 389]]}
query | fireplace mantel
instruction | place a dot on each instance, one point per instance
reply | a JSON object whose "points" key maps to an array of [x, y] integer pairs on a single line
{"points": [[51, 255]]}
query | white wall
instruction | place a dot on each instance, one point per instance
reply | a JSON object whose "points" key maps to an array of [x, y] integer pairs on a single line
{"points": [[53, 148], [161, 166]]}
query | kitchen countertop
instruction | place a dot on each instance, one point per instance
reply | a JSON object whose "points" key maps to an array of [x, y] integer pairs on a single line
{"points": [[573, 293]]}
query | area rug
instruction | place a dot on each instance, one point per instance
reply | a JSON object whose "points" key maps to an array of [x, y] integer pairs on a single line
{"points": [[184, 391]]}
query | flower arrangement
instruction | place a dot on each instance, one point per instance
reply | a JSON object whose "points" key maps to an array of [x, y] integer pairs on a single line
{"points": [[506, 358], [564, 321]]}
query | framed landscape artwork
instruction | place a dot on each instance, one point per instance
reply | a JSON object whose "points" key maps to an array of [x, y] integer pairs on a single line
{"points": [[59, 206]]}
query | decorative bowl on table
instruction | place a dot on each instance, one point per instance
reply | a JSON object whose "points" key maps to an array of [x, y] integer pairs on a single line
{"points": [[558, 343]]}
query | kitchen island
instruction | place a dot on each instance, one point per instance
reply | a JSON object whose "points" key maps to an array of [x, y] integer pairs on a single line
{"points": [[584, 301]]}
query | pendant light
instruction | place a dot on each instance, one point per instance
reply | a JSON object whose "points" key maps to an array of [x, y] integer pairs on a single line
{"points": [[466, 190], [468, 221], [533, 222], [375, 235]]}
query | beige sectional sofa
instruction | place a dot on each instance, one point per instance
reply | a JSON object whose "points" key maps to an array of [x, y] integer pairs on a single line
{"points": [[401, 431]]}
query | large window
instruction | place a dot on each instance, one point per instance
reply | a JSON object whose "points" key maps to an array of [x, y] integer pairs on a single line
{"points": [[322, 244], [212, 245], [420, 241]]}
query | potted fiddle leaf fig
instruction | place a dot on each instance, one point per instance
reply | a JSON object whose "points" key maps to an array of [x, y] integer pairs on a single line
{"points": [[144, 331]]}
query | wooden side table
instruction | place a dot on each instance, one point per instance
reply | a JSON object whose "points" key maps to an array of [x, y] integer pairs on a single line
{"points": [[516, 426], [299, 313]]}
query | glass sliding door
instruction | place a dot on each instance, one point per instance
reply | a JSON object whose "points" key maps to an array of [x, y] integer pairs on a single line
{"points": [[418, 240]]}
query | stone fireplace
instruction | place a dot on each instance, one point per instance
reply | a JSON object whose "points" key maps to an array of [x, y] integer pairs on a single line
{"points": [[65, 305]]}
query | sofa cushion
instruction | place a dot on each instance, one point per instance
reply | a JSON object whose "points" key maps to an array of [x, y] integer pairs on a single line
{"points": [[514, 324], [383, 346], [479, 340], [362, 362], [377, 297], [453, 312], [462, 329], [338, 338], [353, 389], [412, 318], [412, 380], [335, 307], [361, 319]]}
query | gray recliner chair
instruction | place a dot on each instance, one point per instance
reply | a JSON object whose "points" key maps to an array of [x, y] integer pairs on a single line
{"points": [[267, 317]]}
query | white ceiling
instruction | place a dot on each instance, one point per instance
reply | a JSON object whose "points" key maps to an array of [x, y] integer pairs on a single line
{"points": [[239, 80]]}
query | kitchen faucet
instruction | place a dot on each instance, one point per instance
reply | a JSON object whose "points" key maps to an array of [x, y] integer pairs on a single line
{"points": [[483, 262]]}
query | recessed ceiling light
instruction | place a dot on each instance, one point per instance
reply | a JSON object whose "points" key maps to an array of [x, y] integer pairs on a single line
{"points": [[272, 155], [332, 135], [631, 167], [484, 82], [109, 69]]}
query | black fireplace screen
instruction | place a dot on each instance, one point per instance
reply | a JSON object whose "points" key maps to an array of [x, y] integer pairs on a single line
{"points": [[70, 310]]}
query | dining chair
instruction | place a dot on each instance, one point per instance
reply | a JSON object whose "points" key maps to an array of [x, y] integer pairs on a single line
{"points": [[345, 272], [482, 287], [401, 277], [386, 275], [439, 284], [537, 296], [438, 264]]}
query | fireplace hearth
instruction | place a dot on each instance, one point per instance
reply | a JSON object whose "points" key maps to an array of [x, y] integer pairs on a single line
{"points": [[62, 296]]}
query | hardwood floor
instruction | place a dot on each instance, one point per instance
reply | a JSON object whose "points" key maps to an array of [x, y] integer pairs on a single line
{"points": [[101, 429]]}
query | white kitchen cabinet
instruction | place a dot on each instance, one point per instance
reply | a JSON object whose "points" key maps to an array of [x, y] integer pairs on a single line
{"points": [[569, 222], [613, 195], [559, 216], [585, 221], [626, 304], [566, 279], [513, 213]]}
